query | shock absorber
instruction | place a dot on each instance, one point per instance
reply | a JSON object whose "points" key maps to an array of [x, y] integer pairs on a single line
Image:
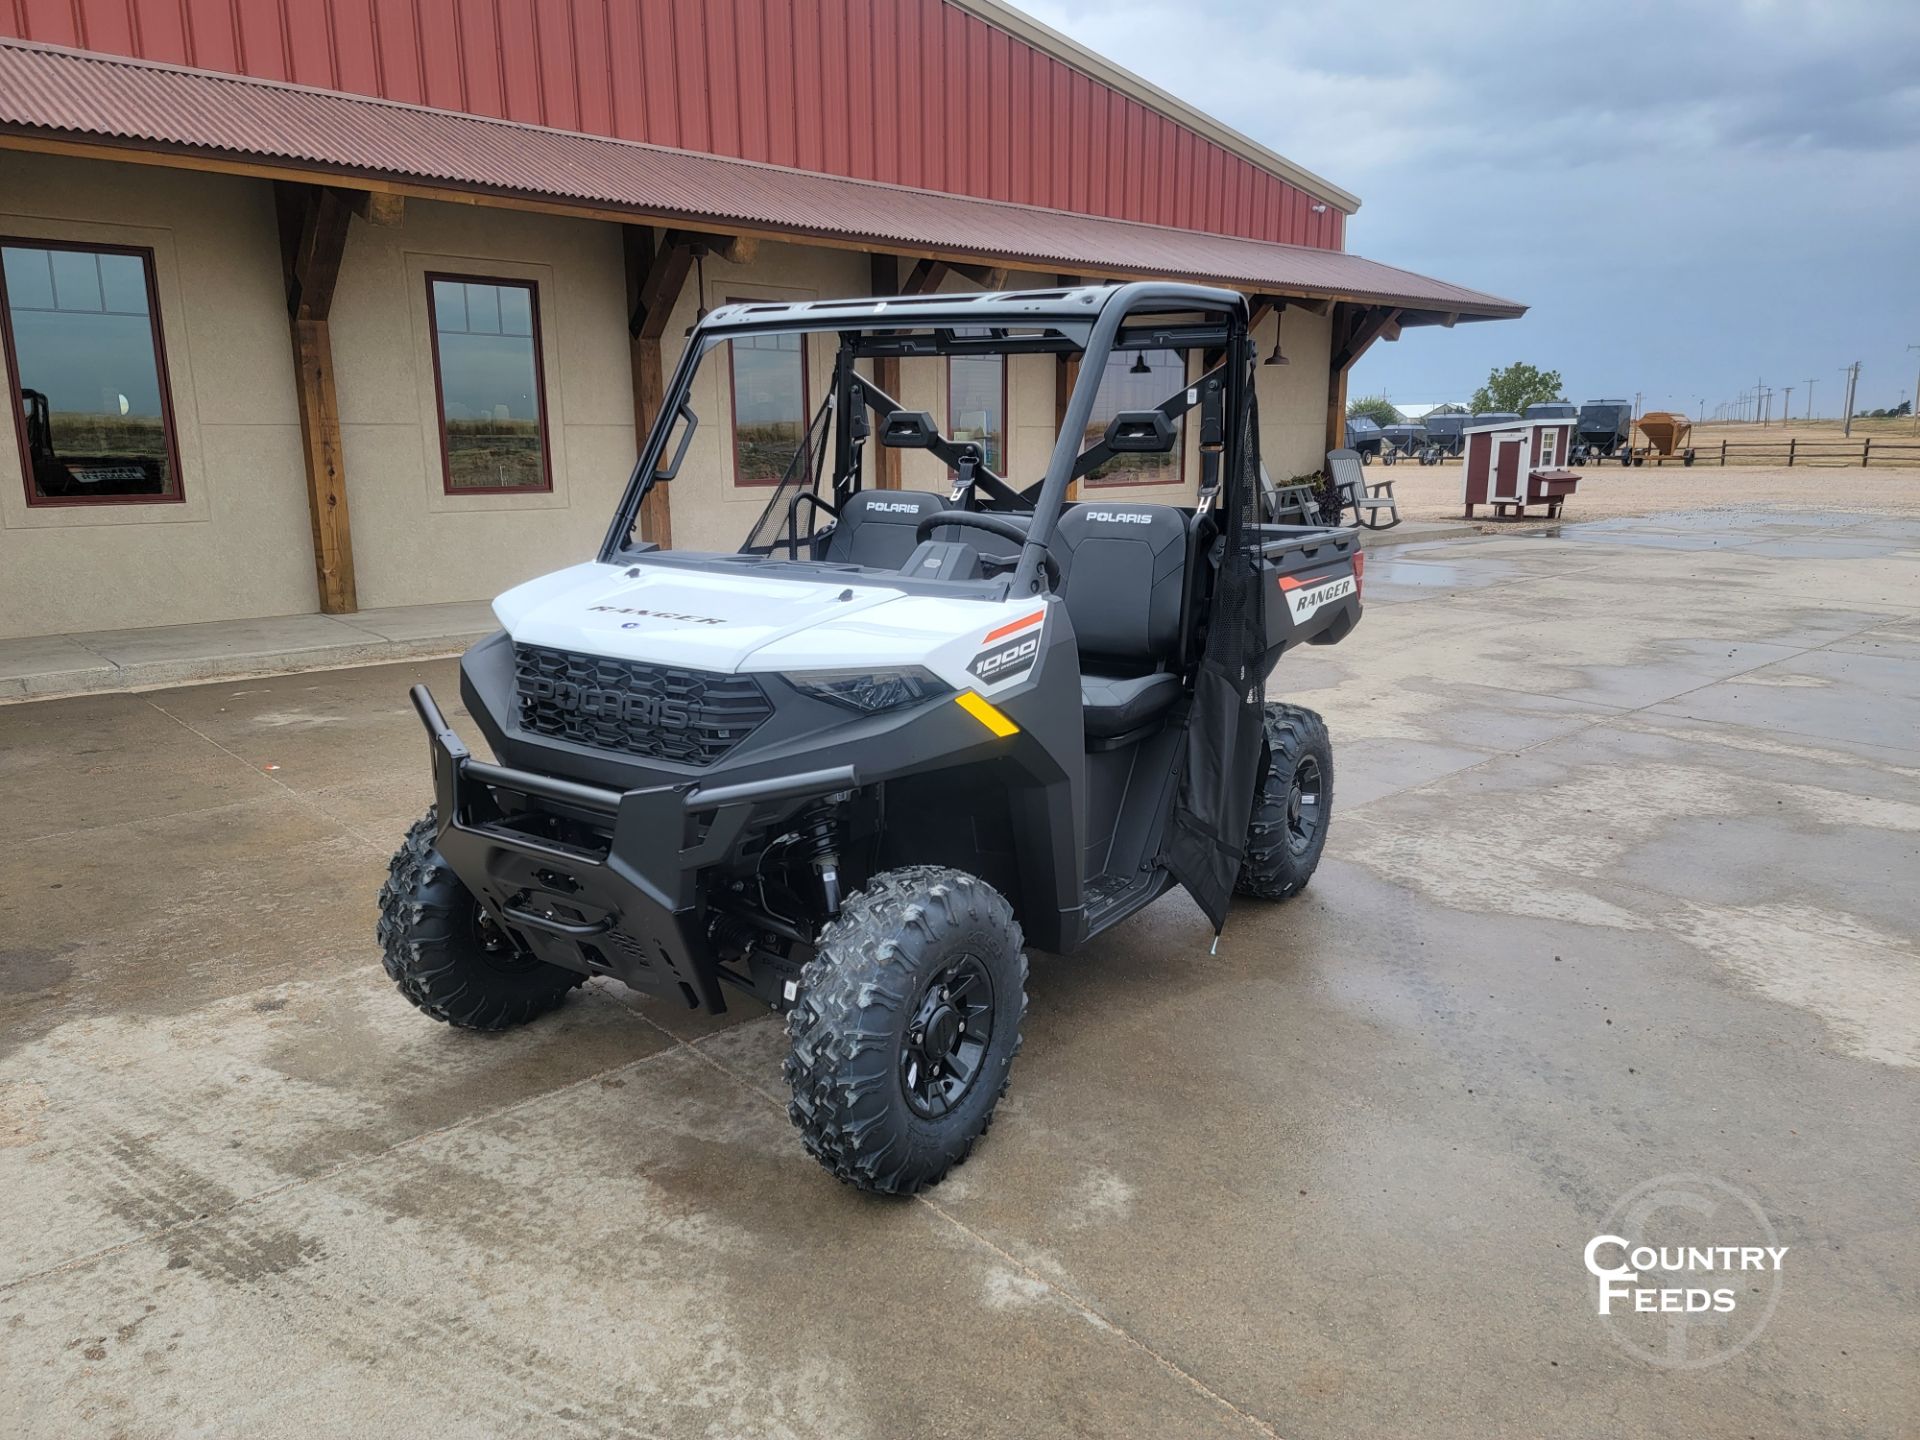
{"points": [[819, 828]]}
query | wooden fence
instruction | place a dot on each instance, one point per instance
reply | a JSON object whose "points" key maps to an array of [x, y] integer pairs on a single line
{"points": [[1854, 453]]}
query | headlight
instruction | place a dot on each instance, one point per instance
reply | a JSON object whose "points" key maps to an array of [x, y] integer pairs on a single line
{"points": [[871, 691]]}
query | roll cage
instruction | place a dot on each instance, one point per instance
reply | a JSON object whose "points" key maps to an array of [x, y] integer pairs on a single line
{"points": [[1087, 322]]}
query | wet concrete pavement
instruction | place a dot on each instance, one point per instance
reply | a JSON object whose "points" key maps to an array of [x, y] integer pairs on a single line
{"points": [[1621, 887]]}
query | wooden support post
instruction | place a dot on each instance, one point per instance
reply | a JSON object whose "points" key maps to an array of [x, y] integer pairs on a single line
{"points": [[313, 238], [886, 374], [1355, 328], [1065, 373], [655, 277]]}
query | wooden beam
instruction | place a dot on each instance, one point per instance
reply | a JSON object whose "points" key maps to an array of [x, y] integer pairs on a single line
{"points": [[987, 277], [925, 278], [656, 274], [313, 231], [378, 207], [1367, 326], [1312, 307], [884, 276], [319, 243], [735, 249]]}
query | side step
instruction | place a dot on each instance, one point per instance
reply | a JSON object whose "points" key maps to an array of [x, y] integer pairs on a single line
{"points": [[1111, 898]]}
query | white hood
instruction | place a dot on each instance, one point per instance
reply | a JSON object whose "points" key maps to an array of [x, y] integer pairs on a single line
{"points": [[735, 620], [698, 619]]}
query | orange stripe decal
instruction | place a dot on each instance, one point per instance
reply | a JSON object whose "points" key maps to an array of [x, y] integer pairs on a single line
{"points": [[1287, 582], [1008, 629]]}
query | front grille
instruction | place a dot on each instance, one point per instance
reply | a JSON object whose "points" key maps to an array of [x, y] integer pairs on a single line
{"points": [[690, 717]]}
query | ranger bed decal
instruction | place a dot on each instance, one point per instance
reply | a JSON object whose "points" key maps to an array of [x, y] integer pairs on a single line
{"points": [[1306, 596]]}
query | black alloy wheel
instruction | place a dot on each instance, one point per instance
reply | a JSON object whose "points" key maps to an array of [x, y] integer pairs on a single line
{"points": [[948, 1038]]}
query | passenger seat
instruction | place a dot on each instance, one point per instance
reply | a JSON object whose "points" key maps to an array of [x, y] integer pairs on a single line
{"points": [[877, 527], [1123, 575]]}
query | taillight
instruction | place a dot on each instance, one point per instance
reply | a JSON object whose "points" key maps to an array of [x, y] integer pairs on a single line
{"points": [[1359, 571]]}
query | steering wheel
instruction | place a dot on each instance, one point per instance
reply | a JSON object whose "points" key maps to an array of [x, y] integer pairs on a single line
{"points": [[994, 525]]}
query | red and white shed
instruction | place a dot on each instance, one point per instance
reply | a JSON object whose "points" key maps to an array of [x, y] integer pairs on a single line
{"points": [[1518, 463]]}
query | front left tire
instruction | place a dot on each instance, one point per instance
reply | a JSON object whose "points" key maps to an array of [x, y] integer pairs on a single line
{"points": [[905, 1028]]}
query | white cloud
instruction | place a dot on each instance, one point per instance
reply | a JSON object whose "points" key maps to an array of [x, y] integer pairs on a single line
{"points": [[1690, 196]]}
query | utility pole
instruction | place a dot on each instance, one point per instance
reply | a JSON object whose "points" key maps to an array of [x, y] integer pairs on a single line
{"points": [[1786, 405], [1852, 372], [1916, 393], [1810, 384]]}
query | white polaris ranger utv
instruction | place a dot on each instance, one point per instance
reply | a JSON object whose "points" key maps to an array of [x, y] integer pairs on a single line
{"points": [[852, 768]]}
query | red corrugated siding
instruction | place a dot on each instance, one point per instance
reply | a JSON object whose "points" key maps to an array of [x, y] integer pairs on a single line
{"points": [[913, 92]]}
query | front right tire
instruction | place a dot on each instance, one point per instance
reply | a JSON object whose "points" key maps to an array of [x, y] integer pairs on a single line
{"points": [[445, 953], [905, 1028]]}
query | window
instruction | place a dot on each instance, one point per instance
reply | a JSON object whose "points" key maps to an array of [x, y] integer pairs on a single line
{"points": [[977, 403], [87, 374], [487, 374], [1138, 380], [769, 405]]}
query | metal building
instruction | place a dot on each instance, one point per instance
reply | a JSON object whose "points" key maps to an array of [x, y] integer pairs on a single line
{"points": [[321, 304]]}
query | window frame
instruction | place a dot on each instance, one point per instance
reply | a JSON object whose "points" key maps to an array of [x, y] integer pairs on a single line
{"points": [[1006, 417], [733, 403], [1179, 451], [532, 287], [150, 269]]}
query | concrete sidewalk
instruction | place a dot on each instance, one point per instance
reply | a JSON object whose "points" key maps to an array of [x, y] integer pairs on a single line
{"points": [[46, 666]]}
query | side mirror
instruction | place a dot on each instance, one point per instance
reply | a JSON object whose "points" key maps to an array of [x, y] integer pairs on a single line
{"points": [[1140, 432], [909, 430]]}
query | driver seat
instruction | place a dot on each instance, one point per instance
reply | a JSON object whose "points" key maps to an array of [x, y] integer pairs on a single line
{"points": [[877, 528], [1123, 576]]}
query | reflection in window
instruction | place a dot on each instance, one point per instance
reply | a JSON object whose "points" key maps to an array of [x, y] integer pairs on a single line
{"points": [[1138, 380], [486, 355], [976, 403], [769, 406], [90, 392]]}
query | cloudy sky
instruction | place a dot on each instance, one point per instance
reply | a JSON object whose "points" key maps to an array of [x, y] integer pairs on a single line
{"points": [[1692, 197]]}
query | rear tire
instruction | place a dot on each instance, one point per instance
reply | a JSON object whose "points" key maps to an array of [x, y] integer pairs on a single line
{"points": [[1291, 813], [905, 1029], [447, 956]]}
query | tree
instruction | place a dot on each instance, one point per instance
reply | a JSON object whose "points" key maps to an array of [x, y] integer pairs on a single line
{"points": [[1376, 408], [1511, 390]]}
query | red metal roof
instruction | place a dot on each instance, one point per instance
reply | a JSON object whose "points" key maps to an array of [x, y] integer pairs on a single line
{"points": [[46, 90], [968, 97]]}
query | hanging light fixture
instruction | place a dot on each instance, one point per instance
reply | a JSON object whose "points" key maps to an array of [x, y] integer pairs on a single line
{"points": [[1139, 366], [700, 281], [1279, 313]]}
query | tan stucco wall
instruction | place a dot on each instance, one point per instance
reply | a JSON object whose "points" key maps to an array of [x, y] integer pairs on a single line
{"points": [[1293, 397], [239, 544], [413, 543]]}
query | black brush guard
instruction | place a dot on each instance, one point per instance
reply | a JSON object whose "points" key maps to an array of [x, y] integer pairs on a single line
{"points": [[626, 904]]}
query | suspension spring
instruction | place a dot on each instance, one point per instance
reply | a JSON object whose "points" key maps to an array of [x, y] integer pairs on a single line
{"points": [[819, 829]]}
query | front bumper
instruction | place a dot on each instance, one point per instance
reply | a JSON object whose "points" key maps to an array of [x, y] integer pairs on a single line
{"points": [[626, 905]]}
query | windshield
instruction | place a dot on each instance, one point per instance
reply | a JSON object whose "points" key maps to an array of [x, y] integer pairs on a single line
{"points": [[791, 433]]}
